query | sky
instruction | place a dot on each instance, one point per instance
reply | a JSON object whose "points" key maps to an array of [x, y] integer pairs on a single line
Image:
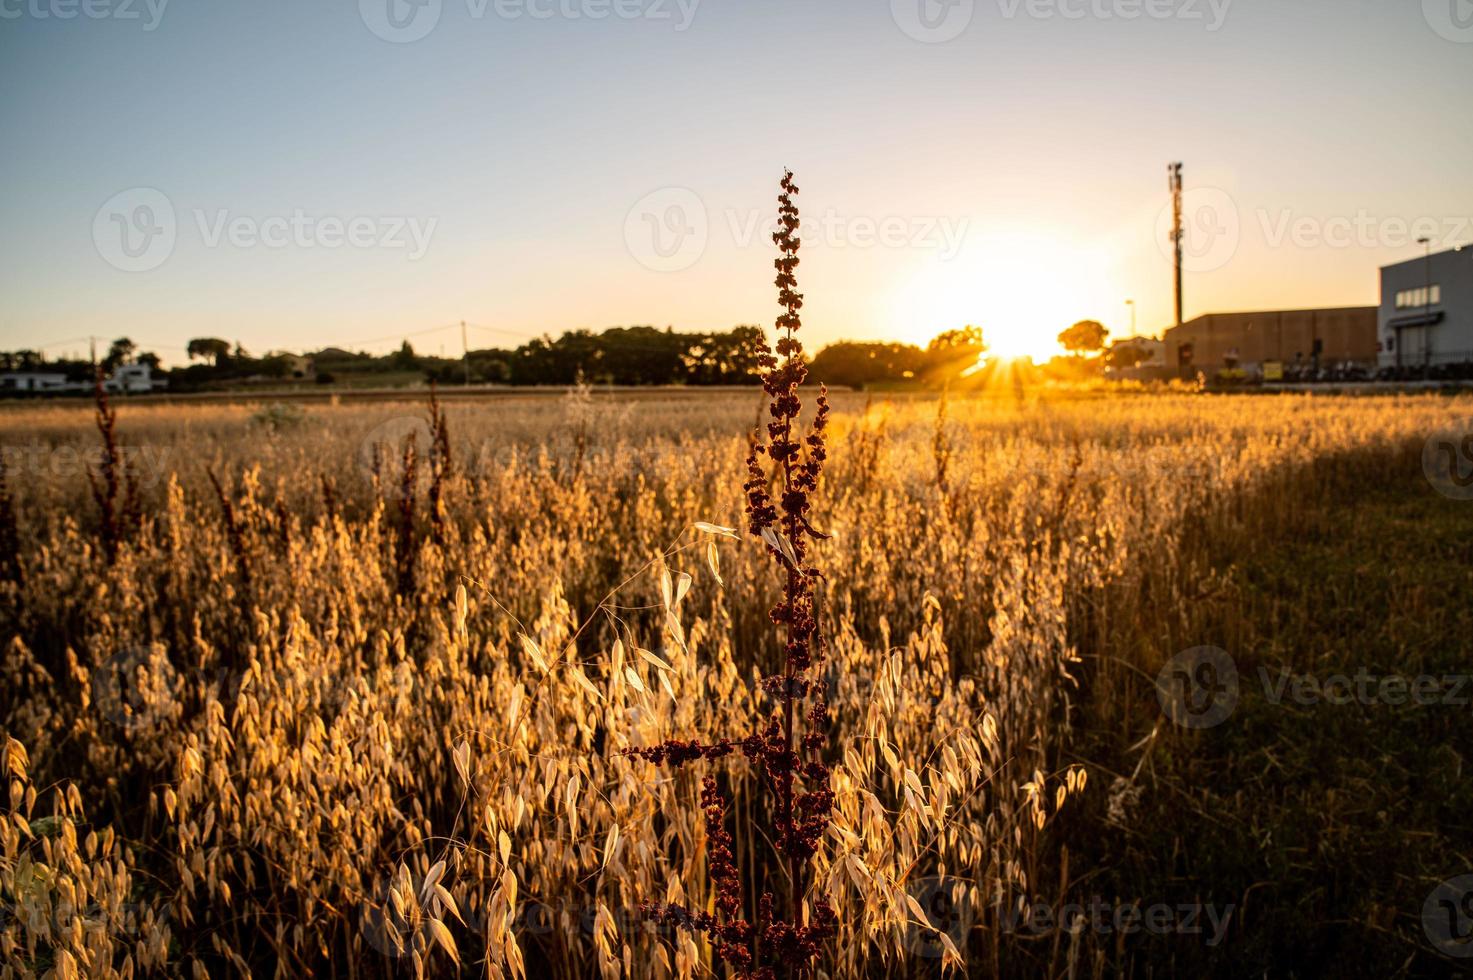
{"points": [[293, 175]]}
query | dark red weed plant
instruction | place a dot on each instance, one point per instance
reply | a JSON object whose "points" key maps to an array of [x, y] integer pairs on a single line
{"points": [[113, 487], [786, 750]]}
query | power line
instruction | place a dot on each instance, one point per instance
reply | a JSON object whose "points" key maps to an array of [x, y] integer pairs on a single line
{"points": [[397, 336], [522, 336]]}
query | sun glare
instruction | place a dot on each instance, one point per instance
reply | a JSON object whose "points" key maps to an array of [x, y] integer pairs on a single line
{"points": [[1022, 292]]}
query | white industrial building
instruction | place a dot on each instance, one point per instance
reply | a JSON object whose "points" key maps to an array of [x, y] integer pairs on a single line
{"points": [[130, 379], [32, 381], [126, 379], [1426, 314]]}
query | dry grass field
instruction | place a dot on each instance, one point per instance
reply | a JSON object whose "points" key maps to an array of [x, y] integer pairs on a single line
{"points": [[279, 705]]}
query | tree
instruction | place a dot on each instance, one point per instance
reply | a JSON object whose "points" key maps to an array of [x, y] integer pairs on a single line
{"points": [[120, 352], [723, 358], [213, 348], [1084, 336], [952, 352], [149, 358], [859, 364], [404, 358], [274, 366]]}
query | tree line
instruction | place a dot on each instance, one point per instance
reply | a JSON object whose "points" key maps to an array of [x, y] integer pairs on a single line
{"points": [[634, 355]]}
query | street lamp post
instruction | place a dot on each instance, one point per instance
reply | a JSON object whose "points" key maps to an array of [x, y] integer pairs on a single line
{"points": [[1426, 243], [1131, 303]]}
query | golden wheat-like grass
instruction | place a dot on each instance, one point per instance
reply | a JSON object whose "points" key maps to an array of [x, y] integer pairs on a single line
{"points": [[247, 747]]}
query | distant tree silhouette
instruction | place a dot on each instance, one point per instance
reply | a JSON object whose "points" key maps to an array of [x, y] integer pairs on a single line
{"points": [[404, 358], [214, 348], [953, 351], [119, 352], [1084, 336], [857, 364]]}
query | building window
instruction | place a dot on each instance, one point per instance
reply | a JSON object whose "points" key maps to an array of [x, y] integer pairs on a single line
{"points": [[1409, 299]]}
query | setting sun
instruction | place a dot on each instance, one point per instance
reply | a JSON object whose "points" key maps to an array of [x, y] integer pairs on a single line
{"points": [[1022, 291]]}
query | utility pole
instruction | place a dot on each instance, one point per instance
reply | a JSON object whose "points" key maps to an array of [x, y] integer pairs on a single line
{"points": [[465, 350], [1173, 179], [1427, 304]]}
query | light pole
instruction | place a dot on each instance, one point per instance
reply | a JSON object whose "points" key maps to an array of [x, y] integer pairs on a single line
{"points": [[1131, 303], [1173, 176], [1426, 243]]}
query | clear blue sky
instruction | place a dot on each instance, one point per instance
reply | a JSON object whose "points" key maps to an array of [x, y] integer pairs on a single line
{"points": [[1018, 166]]}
